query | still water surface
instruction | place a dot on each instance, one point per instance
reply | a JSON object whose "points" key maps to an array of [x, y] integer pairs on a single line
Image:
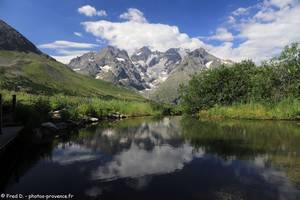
{"points": [[169, 158]]}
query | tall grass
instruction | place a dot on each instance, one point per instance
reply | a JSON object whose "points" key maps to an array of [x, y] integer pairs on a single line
{"points": [[36, 108], [287, 109]]}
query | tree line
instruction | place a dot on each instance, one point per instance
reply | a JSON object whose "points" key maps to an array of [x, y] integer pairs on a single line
{"points": [[244, 82]]}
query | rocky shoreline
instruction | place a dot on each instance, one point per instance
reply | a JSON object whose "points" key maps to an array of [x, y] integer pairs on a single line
{"points": [[57, 126]]}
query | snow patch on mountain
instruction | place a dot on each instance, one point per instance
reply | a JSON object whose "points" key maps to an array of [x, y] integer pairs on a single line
{"points": [[106, 68], [121, 59], [208, 64]]}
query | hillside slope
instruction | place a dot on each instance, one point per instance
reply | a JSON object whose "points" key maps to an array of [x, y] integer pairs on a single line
{"points": [[40, 75]]}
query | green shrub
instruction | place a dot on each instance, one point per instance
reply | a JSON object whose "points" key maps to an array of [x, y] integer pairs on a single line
{"points": [[273, 83]]}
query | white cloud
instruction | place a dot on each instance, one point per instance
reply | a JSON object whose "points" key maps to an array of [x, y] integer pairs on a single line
{"points": [[62, 44], [64, 51], [100, 41], [264, 33], [265, 15], [222, 34], [134, 15], [78, 34], [136, 32], [224, 51], [231, 20], [279, 3], [101, 13], [260, 32], [240, 11], [65, 59], [91, 11], [71, 52], [67, 155]]}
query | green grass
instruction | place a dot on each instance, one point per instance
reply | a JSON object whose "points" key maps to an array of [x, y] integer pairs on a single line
{"points": [[287, 109], [34, 109], [38, 74]]}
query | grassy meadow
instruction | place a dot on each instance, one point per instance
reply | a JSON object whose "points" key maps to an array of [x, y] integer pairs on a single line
{"points": [[286, 109], [33, 109]]}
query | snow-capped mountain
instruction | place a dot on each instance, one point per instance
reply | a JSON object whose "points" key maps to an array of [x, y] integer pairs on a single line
{"points": [[155, 66], [145, 70], [110, 64]]}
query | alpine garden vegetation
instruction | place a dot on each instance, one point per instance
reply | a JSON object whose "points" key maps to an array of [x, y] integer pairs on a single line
{"points": [[246, 90]]}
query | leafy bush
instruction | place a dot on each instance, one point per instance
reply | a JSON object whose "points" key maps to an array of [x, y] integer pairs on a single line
{"points": [[244, 82]]}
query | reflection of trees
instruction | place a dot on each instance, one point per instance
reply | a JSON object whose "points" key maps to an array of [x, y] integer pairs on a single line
{"points": [[277, 141], [243, 139]]}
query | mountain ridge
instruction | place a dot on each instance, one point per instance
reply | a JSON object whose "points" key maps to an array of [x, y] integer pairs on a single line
{"points": [[146, 70]]}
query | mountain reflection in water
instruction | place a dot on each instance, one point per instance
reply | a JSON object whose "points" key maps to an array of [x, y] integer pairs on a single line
{"points": [[177, 158]]}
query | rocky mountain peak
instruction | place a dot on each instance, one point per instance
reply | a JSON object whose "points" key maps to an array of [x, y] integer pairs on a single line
{"points": [[173, 54], [12, 40], [113, 52], [200, 52], [141, 54], [172, 51]]}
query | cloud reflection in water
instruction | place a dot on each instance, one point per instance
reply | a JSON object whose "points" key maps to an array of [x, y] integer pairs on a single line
{"points": [[137, 162]]}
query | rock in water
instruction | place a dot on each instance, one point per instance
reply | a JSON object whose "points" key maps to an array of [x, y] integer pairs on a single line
{"points": [[49, 125]]}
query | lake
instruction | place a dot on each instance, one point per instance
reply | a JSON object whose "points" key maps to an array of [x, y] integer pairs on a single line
{"points": [[167, 158]]}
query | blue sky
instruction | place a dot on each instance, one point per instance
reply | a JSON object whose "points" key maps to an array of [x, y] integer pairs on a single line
{"points": [[227, 28]]}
